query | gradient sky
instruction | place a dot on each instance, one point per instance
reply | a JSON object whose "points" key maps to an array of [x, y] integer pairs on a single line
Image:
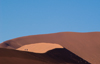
{"points": [[31, 17]]}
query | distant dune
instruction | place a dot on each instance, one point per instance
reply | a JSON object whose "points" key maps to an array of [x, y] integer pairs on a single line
{"points": [[39, 47], [85, 45]]}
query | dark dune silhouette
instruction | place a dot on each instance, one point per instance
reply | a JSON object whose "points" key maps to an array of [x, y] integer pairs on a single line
{"points": [[55, 56], [14, 60], [85, 45]]}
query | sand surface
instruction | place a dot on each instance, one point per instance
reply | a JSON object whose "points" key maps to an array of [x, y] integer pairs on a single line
{"points": [[55, 56], [39, 47], [85, 45]]}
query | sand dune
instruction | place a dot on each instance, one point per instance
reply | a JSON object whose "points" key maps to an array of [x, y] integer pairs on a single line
{"points": [[85, 45], [39, 47], [14, 60], [55, 56]]}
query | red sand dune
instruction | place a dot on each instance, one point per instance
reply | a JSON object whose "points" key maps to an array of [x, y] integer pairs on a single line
{"points": [[55, 56], [13, 60], [85, 45]]}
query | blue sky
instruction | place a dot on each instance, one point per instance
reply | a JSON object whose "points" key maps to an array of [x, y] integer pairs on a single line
{"points": [[31, 17]]}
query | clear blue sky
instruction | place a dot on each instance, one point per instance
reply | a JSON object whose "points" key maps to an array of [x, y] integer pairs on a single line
{"points": [[31, 17]]}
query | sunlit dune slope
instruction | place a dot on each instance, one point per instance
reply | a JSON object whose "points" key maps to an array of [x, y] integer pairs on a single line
{"points": [[85, 45], [39, 47]]}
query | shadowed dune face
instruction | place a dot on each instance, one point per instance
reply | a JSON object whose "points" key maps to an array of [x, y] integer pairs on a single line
{"points": [[14, 60], [85, 45], [39, 47], [54, 56]]}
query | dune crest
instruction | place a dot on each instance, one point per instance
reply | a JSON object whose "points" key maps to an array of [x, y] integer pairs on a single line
{"points": [[39, 47]]}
